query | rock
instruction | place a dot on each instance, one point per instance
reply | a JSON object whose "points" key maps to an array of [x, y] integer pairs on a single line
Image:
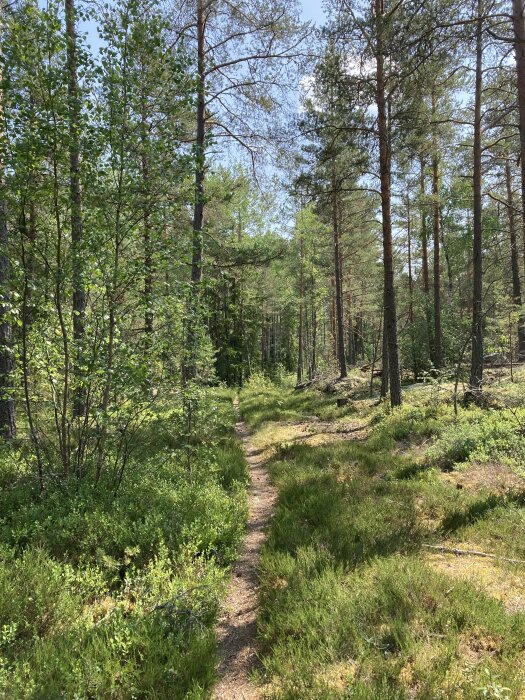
{"points": [[303, 385]]}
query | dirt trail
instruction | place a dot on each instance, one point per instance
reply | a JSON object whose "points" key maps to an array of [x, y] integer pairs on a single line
{"points": [[237, 626]]}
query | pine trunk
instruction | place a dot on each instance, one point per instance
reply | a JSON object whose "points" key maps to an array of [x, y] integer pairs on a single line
{"points": [[518, 23], [436, 215], [301, 313], [384, 363], [388, 260], [146, 235], [476, 368], [190, 370], [424, 260], [516, 284], [340, 330]]}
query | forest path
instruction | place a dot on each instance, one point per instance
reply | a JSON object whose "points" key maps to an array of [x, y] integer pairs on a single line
{"points": [[237, 627]]}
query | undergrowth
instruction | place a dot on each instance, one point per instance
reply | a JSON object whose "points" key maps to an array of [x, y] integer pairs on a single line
{"points": [[351, 605], [116, 597]]}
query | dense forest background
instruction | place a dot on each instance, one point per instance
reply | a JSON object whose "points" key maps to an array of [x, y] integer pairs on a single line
{"points": [[215, 190], [146, 239]]}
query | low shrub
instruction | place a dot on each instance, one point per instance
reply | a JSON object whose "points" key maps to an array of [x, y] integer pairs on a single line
{"points": [[480, 436], [116, 596]]}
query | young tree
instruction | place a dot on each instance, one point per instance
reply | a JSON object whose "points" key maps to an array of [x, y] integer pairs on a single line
{"points": [[77, 253], [476, 368], [385, 158], [7, 402]]}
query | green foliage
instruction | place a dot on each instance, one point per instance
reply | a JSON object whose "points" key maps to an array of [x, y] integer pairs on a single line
{"points": [[350, 607], [481, 436], [408, 421], [104, 596]]}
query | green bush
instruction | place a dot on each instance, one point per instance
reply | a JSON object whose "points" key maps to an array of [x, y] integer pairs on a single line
{"points": [[116, 596], [407, 422], [480, 436]]}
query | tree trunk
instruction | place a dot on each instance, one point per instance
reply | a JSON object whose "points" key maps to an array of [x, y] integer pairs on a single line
{"points": [[350, 323], [424, 235], [388, 261], [424, 259], [301, 312], [190, 370], [7, 402], [518, 23], [415, 367], [77, 225], [384, 363], [359, 337], [146, 235], [516, 284], [351, 340], [436, 226], [410, 278], [333, 328], [447, 258], [313, 361], [338, 286], [476, 368]]}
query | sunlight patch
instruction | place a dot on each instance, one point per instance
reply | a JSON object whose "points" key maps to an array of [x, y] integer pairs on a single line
{"points": [[498, 581]]}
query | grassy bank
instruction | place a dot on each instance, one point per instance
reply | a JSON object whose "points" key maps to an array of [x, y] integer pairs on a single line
{"points": [[354, 605], [116, 597]]}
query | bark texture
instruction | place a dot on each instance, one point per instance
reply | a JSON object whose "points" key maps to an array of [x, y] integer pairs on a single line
{"points": [[190, 368], [340, 329], [436, 221], [518, 23], [514, 260], [386, 209], [476, 367]]}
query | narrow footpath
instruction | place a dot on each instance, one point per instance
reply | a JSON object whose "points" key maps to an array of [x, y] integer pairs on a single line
{"points": [[237, 628]]}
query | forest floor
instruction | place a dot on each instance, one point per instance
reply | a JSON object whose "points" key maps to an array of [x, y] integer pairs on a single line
{"points": [[356, 599], [104, 597], [357, 592]]}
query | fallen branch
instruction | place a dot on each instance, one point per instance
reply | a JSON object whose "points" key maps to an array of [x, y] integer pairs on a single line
{"points": [[472, 553]]}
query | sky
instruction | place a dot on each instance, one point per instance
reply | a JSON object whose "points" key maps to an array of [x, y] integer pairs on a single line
{"points": [[312, 10]]}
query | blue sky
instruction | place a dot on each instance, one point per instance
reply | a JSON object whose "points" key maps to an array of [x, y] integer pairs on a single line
{"points": [[312, 10]]}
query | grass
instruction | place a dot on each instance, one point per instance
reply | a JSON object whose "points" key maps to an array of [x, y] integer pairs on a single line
{"points": [[353, 606], [265, 402], [104, 597]]}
